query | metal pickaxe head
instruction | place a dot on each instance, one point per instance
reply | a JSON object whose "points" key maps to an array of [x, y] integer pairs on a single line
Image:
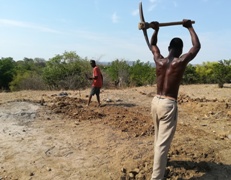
{"points": [[145, 25]]}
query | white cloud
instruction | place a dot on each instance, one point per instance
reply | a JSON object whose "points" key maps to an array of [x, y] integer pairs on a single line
{"points": [[153, 4], [152, 7], [21, 24], [135, 12], [115, 18], [175, 4]]}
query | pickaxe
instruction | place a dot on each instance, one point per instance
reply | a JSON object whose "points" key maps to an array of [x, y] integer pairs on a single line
{"points": [[145, 25]]}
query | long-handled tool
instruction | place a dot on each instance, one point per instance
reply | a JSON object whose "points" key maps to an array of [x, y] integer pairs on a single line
{"points": [[145, 25]]}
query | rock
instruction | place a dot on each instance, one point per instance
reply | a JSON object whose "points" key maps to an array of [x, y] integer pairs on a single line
{"points": [[131, 175], [211, 113], [63, 94], [136, 170], [108, 100], [229, 136], [48, 169], [76, 123], [143, 93], [229, 113], [123, 170], [222, 136]]}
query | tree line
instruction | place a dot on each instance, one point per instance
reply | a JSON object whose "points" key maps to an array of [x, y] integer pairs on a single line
{"points": [[68, 72]]}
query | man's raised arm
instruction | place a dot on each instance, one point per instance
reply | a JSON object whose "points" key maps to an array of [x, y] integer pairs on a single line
{"points": [[194, 38], [154, 48]]}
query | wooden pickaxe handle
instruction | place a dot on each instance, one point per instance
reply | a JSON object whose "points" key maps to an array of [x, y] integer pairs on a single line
{"points": [[173, 23], [145, 25]]}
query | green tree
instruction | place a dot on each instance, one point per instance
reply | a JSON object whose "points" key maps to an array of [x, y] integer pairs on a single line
{"points": [[118, 71], [66, 71], [7, 71], [28, 75], [142, 74], [40, 63], [205, 72], [222, 72], [190, 75]]}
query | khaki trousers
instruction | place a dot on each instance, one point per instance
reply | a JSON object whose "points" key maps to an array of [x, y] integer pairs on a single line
{"points": [[164, 113]]}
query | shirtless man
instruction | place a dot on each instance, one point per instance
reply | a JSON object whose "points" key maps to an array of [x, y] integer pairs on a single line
{"points": [[169, 72]]}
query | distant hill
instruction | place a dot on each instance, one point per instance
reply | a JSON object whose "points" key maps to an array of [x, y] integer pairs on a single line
{"points": [[130, 63]]}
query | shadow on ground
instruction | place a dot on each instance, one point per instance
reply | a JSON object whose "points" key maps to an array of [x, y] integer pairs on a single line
{"points": [[204, 170]]}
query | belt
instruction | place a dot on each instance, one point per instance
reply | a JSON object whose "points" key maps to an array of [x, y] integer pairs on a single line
{"points": [[165, 97]]}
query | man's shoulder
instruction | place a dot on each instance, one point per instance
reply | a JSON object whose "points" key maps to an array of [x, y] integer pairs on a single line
{"points": [[96, 70], [96, 67], [161, 60]]}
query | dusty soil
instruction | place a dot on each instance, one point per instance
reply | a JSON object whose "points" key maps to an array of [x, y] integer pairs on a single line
{"points": [[54, 135]]}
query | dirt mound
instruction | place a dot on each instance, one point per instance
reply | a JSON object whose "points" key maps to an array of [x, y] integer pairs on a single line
{"points": [[128, 118], [187, 160], [56, 136]]}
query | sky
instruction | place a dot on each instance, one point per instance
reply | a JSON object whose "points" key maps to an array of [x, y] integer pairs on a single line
{"points": [[106, 30]]}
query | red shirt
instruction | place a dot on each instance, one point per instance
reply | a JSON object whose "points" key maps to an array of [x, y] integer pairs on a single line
{"points": [[99, 81]]}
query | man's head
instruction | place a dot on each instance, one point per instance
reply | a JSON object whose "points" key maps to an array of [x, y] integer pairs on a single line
{"points": [[92, 62], [176, 44]]}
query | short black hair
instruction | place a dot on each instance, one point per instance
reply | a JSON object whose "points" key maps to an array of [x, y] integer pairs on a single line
{"points": [[176, 43], [92, 61]]}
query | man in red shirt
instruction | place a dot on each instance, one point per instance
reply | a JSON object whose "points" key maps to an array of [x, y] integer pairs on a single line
{"points": [[97, 82]]}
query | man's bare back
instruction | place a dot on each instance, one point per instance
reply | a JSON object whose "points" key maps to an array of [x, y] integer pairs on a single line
{"points": [[170, 70], [169, 74]]}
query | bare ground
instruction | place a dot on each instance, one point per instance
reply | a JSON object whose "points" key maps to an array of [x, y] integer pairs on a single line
{"points": [[46, 135]]}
